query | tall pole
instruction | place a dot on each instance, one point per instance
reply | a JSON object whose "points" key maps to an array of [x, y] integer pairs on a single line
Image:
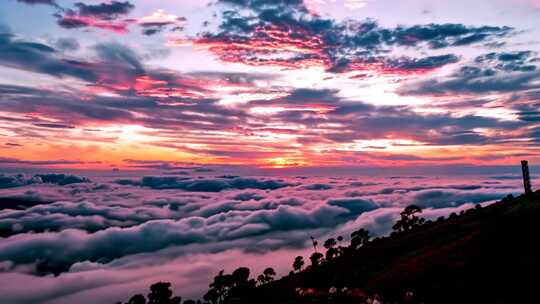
{"points": [[526, 176]]}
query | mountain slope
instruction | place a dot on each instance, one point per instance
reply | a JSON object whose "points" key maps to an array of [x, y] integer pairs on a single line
{"points": [[488, 255]]}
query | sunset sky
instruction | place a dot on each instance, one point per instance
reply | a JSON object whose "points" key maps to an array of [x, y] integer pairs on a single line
{"points": [[311, 83], [166, 140]]}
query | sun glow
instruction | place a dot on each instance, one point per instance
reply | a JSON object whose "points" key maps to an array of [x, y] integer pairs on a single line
{"points": [[283, 162]]}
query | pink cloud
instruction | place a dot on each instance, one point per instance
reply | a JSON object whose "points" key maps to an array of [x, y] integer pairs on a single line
{"points": [[76, 21]]}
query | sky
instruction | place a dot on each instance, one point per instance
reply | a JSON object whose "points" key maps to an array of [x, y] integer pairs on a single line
{"points": [[269, 84], [166, 140]]}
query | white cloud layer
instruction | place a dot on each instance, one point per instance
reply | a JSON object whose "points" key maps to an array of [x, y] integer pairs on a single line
{"points": [[107, 240]]}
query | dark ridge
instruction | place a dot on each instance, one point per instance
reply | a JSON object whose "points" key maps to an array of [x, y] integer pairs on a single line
{"points": [[484, 255]]}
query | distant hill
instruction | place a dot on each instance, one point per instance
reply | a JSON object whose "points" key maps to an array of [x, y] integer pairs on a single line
{"points": [[485, 255]]}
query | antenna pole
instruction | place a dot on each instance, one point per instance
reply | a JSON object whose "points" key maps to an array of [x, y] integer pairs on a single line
{"points": [[526, 176]]}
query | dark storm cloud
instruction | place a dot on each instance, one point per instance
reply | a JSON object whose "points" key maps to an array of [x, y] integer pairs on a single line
{"points": [[153, 27], [368, 34], [115, 62], [38, 57], [14, 89], [114, 52], [527, 105], [67, 44], [105, 10], [151, 31], [104, 15], [118, 69], [424, 63], [67, 109], [186, 104], [302, 97], [264, 32], [445, 35], [353, 108], [521, 61], [534, 134], [53, 126], [473, 85], [72, 23], [34, 2], [358, 120], [492, 72]]}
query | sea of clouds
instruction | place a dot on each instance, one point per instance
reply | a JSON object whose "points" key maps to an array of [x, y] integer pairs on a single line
{"points": [[99, 238]]}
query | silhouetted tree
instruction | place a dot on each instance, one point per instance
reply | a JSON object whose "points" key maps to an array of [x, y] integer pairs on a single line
{"points": [[160, 293], [411, 210], [241, 285], [189, 302], [340, 248], [331, 251], [359, 238], [137, 299], [241, 276], [330, 243], [228, 285], [261, 279], [298, 263], [219, 288], [267, 276], [408, 219], [212, 296], [315, 259], [270, 273], [315, 243]]}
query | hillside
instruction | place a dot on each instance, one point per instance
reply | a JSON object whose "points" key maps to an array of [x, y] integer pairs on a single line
{"points": [[487, 255]]}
